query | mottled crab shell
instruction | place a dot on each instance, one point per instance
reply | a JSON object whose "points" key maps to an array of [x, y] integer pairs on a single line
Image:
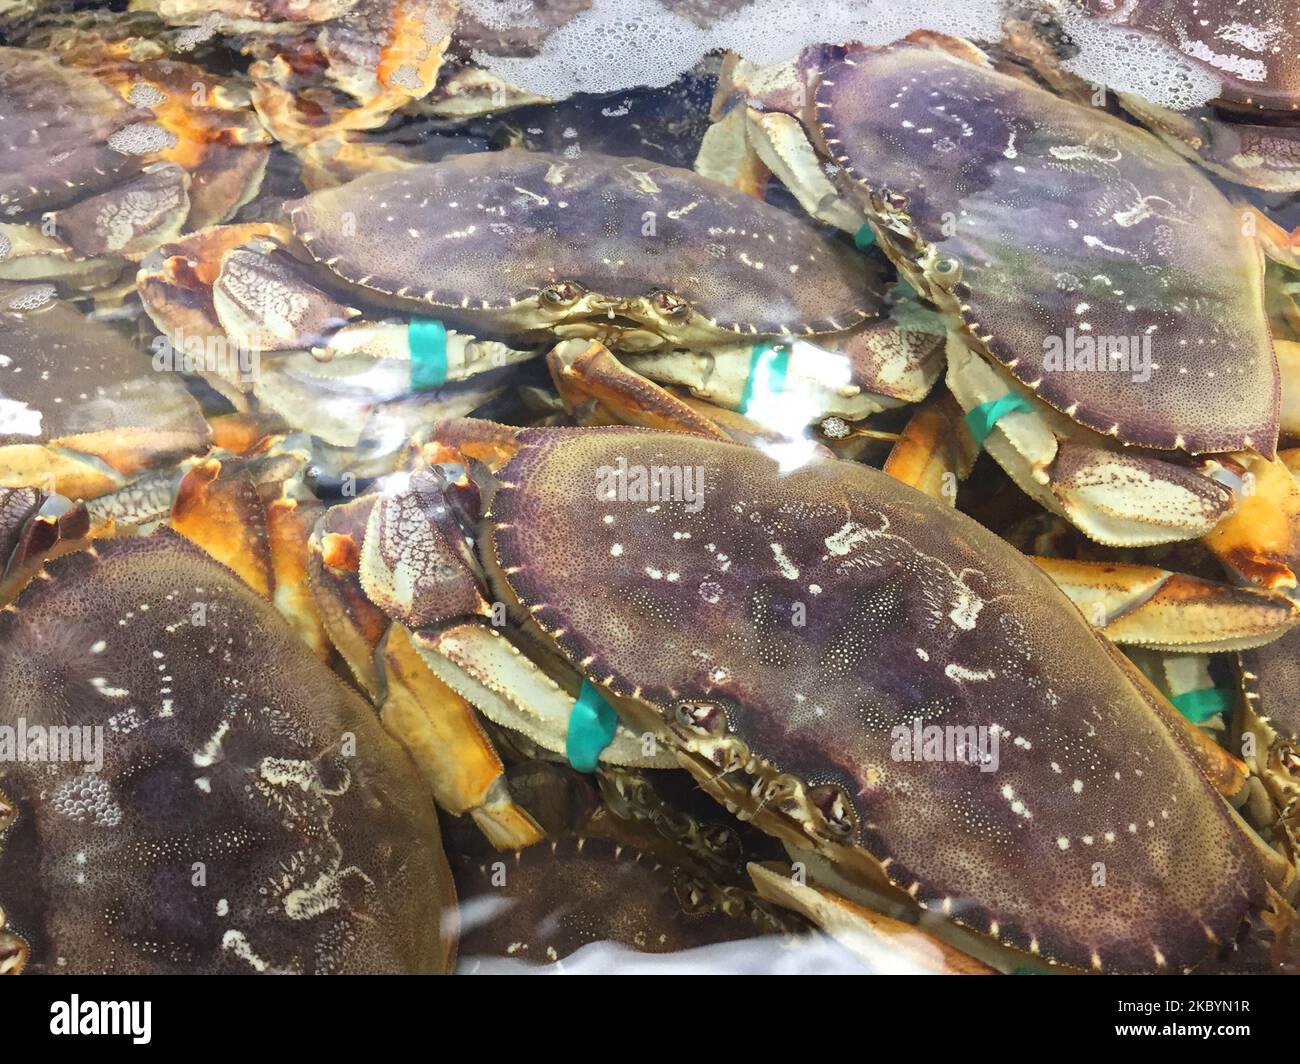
{"points": [[214, 134], [487, 231], [801, 618], [78, 386], [1063, 223], [1272, 674], [641, 872], [1253, 48], [58, 133], [228, 829], [568, 892]]}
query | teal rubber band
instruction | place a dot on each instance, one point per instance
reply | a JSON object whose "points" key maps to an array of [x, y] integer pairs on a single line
{"points": [[768, 366], [592, 722], [982, 418], [1200, 705], [427, 338], [864, 237]]}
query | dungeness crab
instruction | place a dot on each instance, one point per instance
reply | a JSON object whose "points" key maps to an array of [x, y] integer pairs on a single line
{"points": [[1045, 229], [80, 412], [235, 808], [100, 166], [527, 247], [774, 638], [1249, 134]]}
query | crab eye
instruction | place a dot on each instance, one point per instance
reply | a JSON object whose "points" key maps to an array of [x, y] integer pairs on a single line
{"points": [[705, 718], [561, 293], [671, 305], [947, 271], [722, 840], [835, 808], [692, 895]]}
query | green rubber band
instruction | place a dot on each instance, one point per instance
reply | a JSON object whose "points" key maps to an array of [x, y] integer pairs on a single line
{"points": [[982, 418], [592, 722], [427, 338], [1202, 704], [768, 366], [864, 237]]}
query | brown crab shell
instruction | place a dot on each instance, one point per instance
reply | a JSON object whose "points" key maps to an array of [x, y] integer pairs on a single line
{"points": [[221, 751], [215, 135], [487, 231], [808, 616], [72, 385], [539, 905], [1272, 674], [58, 133], [1064, 222], [1253, 49], [628, 874]]}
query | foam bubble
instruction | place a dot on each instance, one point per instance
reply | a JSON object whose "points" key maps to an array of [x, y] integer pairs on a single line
{"points": [[501, 15], [621, 44], [141, 138], [1137, 63], [87, 798]]}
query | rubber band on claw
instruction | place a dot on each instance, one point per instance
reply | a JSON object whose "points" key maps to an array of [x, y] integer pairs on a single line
{"points": [[981, 419], [864, 237], [768, 366], [1200, 705], [592, 723], [427, 338]]}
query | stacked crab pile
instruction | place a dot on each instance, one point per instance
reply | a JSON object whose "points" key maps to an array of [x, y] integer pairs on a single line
{"points": [[841, 505]]}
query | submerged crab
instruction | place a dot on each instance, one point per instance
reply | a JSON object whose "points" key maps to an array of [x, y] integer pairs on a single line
{"points": [[1067, 249], [81, 412], [776, 637], [251, 336], [105, 165], [324, 71], [238, 810], [529, 247], [213, 131], [634, 872], [1249, 133]]}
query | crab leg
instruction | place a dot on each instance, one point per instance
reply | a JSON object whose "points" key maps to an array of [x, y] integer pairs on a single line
{"points": [[34, 528], [888, 945], [1261, 540], [443, 735], [1141, 605], [435, 725], [1278, 243], [587, 372], [725, 155], [1288, 363], [935, 451], [1137, 605]]}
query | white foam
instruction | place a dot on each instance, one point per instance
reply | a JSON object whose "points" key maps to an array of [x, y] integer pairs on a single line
{"points": [[1136, 63], [620, 44], [142, 138]]}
